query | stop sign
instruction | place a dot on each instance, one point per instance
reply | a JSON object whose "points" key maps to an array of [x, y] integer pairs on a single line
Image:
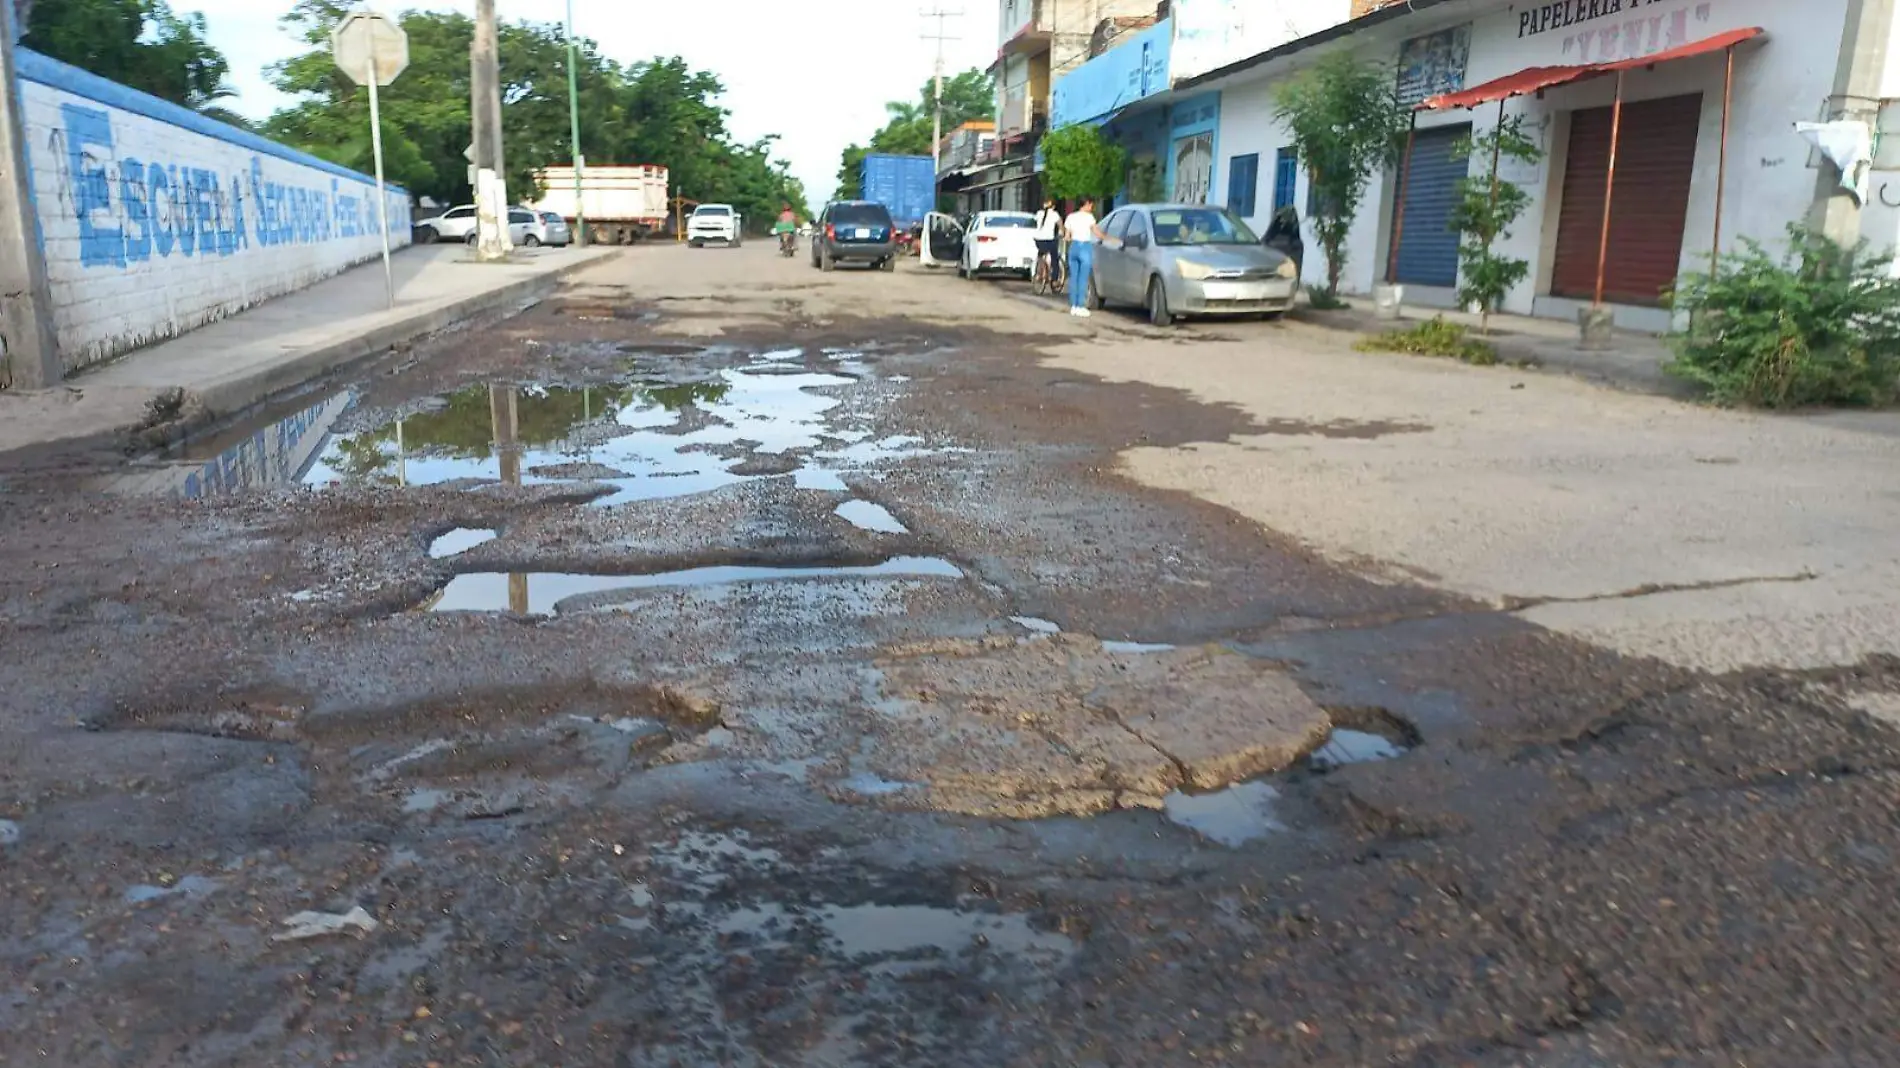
{"points": [[367, 40]]}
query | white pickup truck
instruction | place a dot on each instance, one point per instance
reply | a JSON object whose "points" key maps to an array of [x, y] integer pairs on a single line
{"points": [[714, 223]]}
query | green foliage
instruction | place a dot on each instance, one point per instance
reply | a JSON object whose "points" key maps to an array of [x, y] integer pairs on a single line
{"points": [[1320, 300], [1434, 338], [660, 112], [138, 43], [1079, 162], [966, 98], [1145, 184], [1346, 122], [1819, 325], [1487, 208]]}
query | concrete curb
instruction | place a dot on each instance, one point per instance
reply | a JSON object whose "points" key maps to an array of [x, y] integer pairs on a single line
{"points": [[228, 397]]}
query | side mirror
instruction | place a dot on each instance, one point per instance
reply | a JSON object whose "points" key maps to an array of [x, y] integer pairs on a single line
{"points": [[1135, 241]]}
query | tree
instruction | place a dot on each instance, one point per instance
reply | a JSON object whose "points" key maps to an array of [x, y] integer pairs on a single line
{"points": [[1486, 209], [1346, 121], [1079, 162], [966, 98], [659, 112], [137, 43]]}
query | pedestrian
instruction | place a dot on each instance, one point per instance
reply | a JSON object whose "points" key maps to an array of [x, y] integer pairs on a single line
{"points": [[1083, 232]]}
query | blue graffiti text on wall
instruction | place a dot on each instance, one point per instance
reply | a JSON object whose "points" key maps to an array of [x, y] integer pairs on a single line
{"points": [[132, 210]]}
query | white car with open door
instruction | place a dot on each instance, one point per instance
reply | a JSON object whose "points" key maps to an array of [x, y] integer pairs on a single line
{"points": [[999, 242], [942, 242]]}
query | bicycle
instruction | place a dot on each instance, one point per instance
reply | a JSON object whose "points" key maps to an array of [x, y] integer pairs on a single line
{"points": [[1048, 278]]}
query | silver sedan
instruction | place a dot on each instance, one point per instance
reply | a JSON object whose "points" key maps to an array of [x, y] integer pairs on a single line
{"points": [[1189, 259]]}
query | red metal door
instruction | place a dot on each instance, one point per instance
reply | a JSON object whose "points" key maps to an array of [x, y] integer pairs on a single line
{"points": [[1655, 161]]}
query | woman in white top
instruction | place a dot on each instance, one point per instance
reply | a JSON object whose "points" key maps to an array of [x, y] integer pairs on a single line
{"points": [[1083, 232]]}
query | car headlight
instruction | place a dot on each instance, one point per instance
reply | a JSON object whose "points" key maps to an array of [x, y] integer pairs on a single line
{"points": [[1288, 269], [1193, 272]]}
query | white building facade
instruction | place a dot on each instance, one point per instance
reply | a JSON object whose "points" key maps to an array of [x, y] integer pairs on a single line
{"points": [[1670, 141]]}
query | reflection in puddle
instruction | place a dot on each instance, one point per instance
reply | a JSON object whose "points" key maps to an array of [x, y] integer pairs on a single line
{"points": [[867, 516], [1232, 817], [539, 594], [268, 451], [1354, 747], [1137, 647], [458, 541], [189, 886], [647, 442], [1036, 625], [866, 784]]}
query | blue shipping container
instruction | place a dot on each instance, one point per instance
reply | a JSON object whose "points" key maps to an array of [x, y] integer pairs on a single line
{"points": [[907, 185]]}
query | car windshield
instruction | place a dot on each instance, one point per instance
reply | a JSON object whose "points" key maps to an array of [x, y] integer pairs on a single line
{"points": [[1000, 222], [712, 211], [860, 215], [1200, 226]]}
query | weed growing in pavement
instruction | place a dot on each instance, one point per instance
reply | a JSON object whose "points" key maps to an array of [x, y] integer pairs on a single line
{"points": [[1435, 338], [1820, 325], [1320, 300]]}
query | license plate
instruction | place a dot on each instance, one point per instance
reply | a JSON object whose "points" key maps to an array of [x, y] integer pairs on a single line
{"points": [[1237, 290], [863, 233]]}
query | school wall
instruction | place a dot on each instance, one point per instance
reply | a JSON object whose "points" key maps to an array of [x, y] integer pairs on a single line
{"points": [[1780, 80], [155, 220]]}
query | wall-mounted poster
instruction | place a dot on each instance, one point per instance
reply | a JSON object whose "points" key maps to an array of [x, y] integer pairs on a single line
{"points": [[1433, 64]]}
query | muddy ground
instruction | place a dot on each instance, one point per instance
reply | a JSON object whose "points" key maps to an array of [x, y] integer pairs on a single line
{"points": [[724, 664]]}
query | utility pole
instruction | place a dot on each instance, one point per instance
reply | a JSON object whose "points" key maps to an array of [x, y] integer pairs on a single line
{"points": [[1857, 77], [574, 122], [936, 125], [491, 190], [29, 349]]}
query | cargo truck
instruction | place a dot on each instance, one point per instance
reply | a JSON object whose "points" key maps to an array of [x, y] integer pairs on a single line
{"points": [[622, 204], [906, 185]]}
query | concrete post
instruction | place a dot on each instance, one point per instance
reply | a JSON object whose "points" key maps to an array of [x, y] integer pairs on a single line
{"points": [[491, 192], [29, 349], [1857, 76]]}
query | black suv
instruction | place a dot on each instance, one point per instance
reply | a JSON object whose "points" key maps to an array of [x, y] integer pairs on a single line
{"points": [[855, 231]]}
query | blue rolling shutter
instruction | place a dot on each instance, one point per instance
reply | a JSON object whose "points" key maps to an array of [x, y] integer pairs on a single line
{"points": [[1428, 249]]}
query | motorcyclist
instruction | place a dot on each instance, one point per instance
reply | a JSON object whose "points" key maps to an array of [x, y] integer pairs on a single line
{"points": [[787, 226]]}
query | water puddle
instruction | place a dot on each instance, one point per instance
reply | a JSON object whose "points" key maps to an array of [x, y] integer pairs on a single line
{"points": [[458, 541], [872, 517], [1038, 625], [273, 449], [540, 594], [646, 440], [1345, 747], [866, 784], [1232, 817], [189, 886], [899, 930]]}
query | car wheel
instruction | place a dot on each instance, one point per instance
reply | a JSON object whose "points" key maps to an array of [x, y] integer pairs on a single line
{"points": [[1095, 301], [1158, 312], [890, 263], [825, 262], [531, 241], [471, 239]]}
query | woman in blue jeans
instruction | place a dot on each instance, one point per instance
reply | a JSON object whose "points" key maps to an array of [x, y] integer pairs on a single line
{"points": [[1083, 232]]}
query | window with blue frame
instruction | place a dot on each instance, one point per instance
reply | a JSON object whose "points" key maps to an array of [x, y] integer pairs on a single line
{"points": [[1243, 181], [1286, 178]]}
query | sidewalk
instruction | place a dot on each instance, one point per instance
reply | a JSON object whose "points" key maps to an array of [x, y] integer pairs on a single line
{"points": [[1634, 363], [232, 364]]}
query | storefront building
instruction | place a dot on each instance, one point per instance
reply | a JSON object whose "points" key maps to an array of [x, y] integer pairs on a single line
{"points": [[1700, 97]]}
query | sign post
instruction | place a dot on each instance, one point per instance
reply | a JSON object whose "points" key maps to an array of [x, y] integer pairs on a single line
{"points": [[372, 49]]}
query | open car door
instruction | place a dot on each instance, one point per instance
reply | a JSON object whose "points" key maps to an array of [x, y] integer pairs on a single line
{"points": [[942, 245]]}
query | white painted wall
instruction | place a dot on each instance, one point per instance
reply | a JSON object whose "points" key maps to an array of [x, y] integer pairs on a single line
{"points": [[1779, 81], [155, 221]]}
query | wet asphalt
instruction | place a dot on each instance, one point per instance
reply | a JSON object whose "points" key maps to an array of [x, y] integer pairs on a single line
{"points": [[562, 646]]}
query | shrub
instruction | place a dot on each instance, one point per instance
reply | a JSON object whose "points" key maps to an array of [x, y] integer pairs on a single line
{"points": [[1434, 338], [1819, 325], [1487, 207]]}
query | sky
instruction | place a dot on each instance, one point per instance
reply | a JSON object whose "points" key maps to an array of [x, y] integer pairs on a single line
{"points": [[772, 61]]}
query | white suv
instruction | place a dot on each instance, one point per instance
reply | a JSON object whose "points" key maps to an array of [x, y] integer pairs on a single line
{"points": [[713, 222]]}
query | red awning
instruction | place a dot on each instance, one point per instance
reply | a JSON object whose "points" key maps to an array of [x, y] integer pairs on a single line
{"points": [[1532, 79]]}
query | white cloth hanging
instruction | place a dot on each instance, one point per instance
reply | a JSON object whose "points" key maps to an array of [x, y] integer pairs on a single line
{"points": [[1849, 145]]}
